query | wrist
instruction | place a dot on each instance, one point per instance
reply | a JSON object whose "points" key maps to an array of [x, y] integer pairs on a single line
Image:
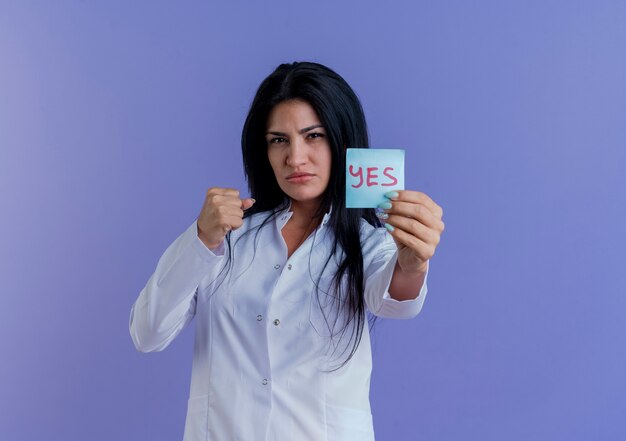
{"points": [[212, 245], [415, 272]]}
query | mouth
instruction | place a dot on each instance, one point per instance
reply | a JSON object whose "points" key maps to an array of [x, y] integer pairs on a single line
{"points": [[300, 177]]}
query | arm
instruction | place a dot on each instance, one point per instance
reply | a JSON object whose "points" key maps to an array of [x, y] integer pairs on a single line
{"points": [[380, 267], [406, 285], [414, 221], [168, 301]]}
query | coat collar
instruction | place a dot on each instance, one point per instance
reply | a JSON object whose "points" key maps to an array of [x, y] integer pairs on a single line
{"points": [[285, 213]]}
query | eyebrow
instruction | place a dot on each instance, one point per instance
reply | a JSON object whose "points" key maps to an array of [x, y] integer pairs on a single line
{"points": [[306, 129]]}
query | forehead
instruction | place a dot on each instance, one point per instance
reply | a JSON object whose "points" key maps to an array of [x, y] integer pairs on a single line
{"points": [[295, 112]]}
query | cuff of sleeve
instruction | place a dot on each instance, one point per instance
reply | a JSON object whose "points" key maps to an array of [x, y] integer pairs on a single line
{"points": [[193, 258], [206, 253], [401, 309]]}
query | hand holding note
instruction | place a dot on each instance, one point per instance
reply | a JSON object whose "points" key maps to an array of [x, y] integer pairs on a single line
{"points": [[415, 222], [375, 179]]}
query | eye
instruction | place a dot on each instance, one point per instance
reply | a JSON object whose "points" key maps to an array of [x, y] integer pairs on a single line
{"points": [[316, 135], [276, 140]]}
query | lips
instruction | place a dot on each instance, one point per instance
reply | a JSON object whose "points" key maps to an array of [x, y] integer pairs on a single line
{"points": [[300, 178], [299, 175]]}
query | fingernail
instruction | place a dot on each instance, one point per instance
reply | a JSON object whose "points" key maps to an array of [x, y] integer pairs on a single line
{"points": [[385, 205], [380, 214], [389, 228], [253, 200], [392, 194]]}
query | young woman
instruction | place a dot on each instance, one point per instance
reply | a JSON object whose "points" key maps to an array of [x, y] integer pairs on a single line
{"points": [[280, 283]]}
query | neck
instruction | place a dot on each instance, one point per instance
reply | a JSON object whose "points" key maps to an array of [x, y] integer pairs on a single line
{"points": [[304, 213]]}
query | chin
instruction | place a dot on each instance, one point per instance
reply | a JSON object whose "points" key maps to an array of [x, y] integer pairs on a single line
{"points": [[302, 196]]}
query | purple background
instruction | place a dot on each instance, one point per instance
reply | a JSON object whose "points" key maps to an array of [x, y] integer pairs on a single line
{"points": [[115, 117]]}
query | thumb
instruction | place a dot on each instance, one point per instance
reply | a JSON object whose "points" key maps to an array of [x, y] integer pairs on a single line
{"points": [[247, 203]]}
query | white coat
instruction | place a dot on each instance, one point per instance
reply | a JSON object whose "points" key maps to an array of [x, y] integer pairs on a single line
{"points": [[263, 350]]}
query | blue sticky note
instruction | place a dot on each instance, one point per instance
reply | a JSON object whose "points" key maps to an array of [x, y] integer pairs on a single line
{"points": [[370, 173]]}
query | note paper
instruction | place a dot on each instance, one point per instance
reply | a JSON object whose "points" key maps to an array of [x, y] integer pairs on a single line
{"points": [[370, 173]]}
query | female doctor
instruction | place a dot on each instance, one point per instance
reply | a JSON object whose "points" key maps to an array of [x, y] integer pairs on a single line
{"points": [[280, 283]]}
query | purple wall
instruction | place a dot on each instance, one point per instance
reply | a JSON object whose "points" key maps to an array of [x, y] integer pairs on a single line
{"points": [[116, 118]]}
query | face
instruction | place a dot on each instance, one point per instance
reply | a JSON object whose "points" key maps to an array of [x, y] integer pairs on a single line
{"points": [[298, 150]]}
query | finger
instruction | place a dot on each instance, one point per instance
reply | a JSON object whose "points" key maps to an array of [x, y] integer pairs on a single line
{"points": [[417, 197], [233, 222], [247, 203], [222, 200], [415, 228], [416, 211], [233, 192], [229, 223], [224, 211], [421, 249]]}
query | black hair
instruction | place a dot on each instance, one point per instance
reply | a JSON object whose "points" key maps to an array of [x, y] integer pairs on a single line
{"points": [[341, 114]]}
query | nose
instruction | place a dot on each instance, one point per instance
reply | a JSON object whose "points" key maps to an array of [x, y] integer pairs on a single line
{"points": [[297, 154]]}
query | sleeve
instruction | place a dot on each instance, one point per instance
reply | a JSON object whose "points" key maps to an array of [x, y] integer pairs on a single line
{"points": [[168, 301], [380, 254]]}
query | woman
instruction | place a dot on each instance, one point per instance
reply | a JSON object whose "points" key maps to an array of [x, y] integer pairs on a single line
{"points": [[280, 282]]}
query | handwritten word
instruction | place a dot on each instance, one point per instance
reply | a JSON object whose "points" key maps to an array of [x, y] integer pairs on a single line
{"points": [[370, 176]]}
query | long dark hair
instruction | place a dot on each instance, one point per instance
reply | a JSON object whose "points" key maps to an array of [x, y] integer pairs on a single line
{"points": [[341, 113]]}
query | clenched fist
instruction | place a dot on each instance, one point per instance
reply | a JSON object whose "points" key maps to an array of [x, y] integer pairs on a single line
{"points": [[222, 211]]}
